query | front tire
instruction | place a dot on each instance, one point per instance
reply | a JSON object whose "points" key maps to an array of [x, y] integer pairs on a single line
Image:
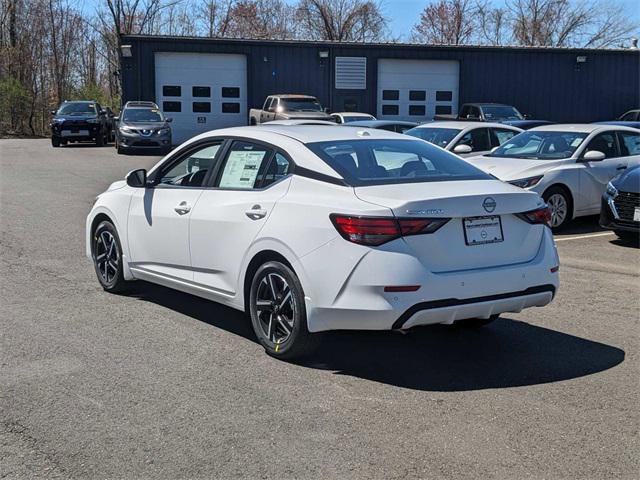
{"points": [[55, 142], [628, 237], [278, 314], [106, 252], [561, 207], [100, 140]]}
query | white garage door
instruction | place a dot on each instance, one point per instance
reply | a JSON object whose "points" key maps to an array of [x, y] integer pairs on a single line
{"points": [[201, 91], [416, 90]]}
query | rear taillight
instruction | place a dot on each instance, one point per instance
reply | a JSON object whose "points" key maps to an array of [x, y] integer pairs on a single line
{"points": [[374, 231], [538, 216]]}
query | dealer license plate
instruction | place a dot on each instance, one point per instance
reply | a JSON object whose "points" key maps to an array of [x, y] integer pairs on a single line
{"points": [[636, 214], [482, 230], [74, 133]]}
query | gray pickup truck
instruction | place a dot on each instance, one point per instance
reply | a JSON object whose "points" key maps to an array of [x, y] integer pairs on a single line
{"points": [[288, 107], [493, 112]]}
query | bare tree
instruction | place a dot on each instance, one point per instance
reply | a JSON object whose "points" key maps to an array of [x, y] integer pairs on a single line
{"points": [[266, 19], [449, 22], [342, 20], [564, 23], [492, 24], [213, 16]]}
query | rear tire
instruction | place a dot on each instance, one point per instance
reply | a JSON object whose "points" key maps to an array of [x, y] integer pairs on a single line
{"points": [[106, 252], [476, 322], [278, 314], [561, 206]]}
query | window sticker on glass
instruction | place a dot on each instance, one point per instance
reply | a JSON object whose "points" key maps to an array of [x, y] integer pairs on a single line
{"points": [[241, 169]]}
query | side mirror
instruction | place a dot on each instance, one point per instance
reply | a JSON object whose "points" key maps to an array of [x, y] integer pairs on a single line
{"points": [[526, 116], [594, 156], [116, 119], [103, 112], [169, 119], [325, 109], [461, 149], [137, 178], [52, 112]]}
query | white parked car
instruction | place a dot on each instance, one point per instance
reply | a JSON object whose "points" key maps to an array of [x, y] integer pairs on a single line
{"points": [[568, 165], [465, 138], [346, 117], [300, 122], [318, 228]]}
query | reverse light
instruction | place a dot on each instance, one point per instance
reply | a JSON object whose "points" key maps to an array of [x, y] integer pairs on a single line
{"points": [[540, 216], [374, 231], [526, 182]]}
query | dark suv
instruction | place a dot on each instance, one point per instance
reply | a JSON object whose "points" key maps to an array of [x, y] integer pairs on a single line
{"points": [[142, 126], [79, 121]]}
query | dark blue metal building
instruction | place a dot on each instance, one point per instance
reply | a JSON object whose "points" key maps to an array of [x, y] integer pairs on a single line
{"points": [[391, 80]]}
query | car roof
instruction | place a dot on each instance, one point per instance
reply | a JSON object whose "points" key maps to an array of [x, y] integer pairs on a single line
{"points": [[140, 104], [462, 125], [306, 133], [379, 123], [353, 114], [292, 95], [578, 127]]}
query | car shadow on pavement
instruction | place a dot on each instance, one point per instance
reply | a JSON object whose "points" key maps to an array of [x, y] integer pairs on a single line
{"points": [[507, 353], [581, 226]]}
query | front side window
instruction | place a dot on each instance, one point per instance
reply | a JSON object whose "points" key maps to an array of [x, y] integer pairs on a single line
{"points": [[78, 108], [142, 115], [541, 145], [477, 139], [437, 136], [629, 143], [191, 170], [605, 143], [244, 164], [377, 162]]}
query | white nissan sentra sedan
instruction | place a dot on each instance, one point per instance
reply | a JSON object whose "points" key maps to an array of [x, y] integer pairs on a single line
{"points": [[315, 228], [465, 139], [568, 165]]}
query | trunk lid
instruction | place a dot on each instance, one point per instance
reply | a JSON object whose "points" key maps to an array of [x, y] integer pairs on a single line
{"points": [[447, 249]]}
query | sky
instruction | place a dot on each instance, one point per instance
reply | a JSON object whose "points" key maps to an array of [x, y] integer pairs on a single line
{"points": [[404, 14]]}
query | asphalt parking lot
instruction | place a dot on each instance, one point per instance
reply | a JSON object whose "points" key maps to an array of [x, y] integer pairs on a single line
{"points": [[160, 384]]}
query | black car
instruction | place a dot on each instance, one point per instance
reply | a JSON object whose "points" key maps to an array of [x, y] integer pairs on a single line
{"points": [[79, 121], [620, 210]]}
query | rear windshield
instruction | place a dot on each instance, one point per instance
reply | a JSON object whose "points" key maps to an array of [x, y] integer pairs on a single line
{"points": [[78, 108], [501, 112], [437, 136], [540, 145], [349, 118], [142, 115], [380, 162], [301, 105]]}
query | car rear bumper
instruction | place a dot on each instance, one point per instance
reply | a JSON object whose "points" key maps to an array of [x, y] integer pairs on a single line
{"points": [[361, 303]]}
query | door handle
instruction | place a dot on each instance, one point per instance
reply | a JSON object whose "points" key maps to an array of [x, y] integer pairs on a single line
{"points": [[256, 212], [621, 167], [182, 208]]}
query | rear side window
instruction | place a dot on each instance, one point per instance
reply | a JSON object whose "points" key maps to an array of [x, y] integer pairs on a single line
{"points": [[244, 165], [629, 143], [377, 162], [279, 167]]}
